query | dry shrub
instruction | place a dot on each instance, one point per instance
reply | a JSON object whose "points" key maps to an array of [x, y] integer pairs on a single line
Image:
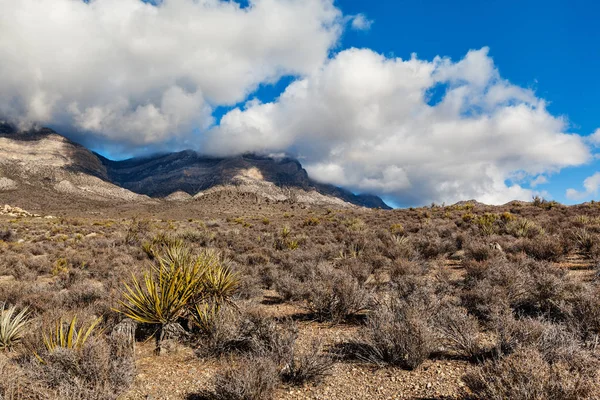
{"points": [[252, 378], [478, 251], [398, 334], [235, 331], [270, 354], [288, 287], [16, 385], [334, 295], [526, 374], [100, 370], [583, 313], [524, 285], [429, 244], [311, 365], [7, 235], [543, 248], [459, 332]]}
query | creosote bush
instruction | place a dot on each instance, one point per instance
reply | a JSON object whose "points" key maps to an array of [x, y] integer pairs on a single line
{"points": [[251, 378], [397, 335], [527, 375]]}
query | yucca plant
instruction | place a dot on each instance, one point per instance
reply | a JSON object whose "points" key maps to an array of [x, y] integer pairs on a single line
{"points": [[204, 316], [219, 284], [584, 239], [178, 284], [163, 294], [68, 335], [12, 326]]}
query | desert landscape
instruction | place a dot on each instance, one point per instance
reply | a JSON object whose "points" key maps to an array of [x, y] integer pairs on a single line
{"points": [[236, 294], [299, 200]]}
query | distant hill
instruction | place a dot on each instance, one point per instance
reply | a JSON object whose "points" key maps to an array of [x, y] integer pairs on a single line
{"points": [[44, 160]]}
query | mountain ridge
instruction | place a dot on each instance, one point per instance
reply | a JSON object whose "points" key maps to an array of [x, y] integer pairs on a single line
{"points": [[43, 158]]}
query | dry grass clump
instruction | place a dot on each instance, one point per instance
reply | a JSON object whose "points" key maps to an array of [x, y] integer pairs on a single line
{"points": [[527, 374], [398, 333], [523, 285], [99, 369], [251, 378]]}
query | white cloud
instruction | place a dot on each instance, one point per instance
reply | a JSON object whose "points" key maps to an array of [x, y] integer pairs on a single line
{"points": [[538, 180], [363, 121], [136, 74], [360, 22], [139, 73], [591, 184], [594, 138]]}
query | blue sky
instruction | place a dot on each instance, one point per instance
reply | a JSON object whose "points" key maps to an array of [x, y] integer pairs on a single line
{"points": [[416, 101], [550, 46]]}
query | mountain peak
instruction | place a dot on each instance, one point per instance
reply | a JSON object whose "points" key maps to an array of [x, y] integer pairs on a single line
{"points": [[42, 158]]}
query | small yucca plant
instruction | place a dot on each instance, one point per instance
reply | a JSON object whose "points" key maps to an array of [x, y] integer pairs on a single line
{"points": [[179, 285], [12, 326], [163, 295], [219, 284], [204, 316], [67, 335]]}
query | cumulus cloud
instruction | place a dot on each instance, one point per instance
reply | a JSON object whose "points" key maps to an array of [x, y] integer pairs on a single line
{"points": [[143, 73], [360, 22], [366, 122], [594, 138], [540, 180], [591, 184]]}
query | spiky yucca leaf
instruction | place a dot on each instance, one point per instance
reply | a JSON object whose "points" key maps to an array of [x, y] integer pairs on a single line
{"points": [[219, 284], [167, 289], [161, 297], [204, 316], [176, 285], [68, 335], [12, 326]]}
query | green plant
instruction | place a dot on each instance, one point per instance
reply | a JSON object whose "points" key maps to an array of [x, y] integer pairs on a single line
{"points": [[312, 221], [523, 228], [397, 229], [68, 335], [178, 285], [584, 239], [165, 291], [486, 223], [60, 267], [12, 326]]}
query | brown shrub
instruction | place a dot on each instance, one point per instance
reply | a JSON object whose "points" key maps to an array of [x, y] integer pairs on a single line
{"points": [[100, 370], [527, 375], [459, 332], [543, 248], [252, 378], [397, 335], [334, 295]]}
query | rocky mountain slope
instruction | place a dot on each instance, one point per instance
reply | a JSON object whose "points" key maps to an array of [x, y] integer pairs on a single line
{"points": [[41, 160], [176, 174], [44, 160]]}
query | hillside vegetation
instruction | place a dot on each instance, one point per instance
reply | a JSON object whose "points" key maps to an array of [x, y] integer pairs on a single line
{"points": [[287, 301]]}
